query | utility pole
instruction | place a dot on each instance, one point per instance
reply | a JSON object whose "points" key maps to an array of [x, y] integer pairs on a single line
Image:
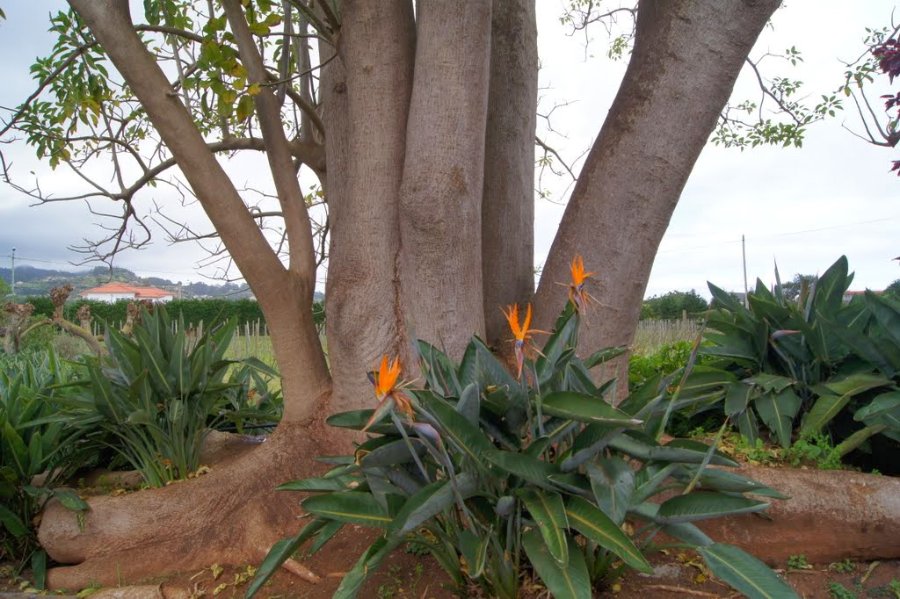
{"points": [[744, 260], [13, 274]]}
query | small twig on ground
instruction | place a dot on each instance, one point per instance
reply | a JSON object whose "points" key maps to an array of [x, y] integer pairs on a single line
{"points": [[869, 571], [295, 567], [683, 590]]}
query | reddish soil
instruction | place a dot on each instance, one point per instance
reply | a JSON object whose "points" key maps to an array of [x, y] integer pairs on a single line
{"points": [[404, 575]]}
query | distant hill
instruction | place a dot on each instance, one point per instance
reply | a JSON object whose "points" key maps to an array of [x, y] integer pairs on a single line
{"points": [[31, 281]]}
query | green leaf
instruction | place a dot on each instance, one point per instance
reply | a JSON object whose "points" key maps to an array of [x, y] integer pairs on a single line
{"points": [[612, 481], [39, 568], [563, 338], [704, 505], [12, 522], [777, 411], [549, 513], [584, 408], [856, 439], [353, 507], [467, 437], [70, 500], [244, 107], [886, 403], [687, 533], [389, 454], [469, 404], [604, 355], [280, 552], [367, 563], [769, 382], [726, 481], [474, 549], [326, 534], [744, 573], [886, 314], [822, 412], [332, 483], [430, 501], [590, 521], [678, 450], [737, 398], [524, 466], [357, 419], [855, 384], [569, 582]]}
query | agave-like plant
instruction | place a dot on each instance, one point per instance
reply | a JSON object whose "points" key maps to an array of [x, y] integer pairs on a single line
{"points": [[156, 395], [799, 367], [35, 456], [496, 475]]}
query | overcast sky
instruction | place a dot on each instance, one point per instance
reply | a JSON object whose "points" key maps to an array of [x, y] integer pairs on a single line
{"points": [[802, 207]]}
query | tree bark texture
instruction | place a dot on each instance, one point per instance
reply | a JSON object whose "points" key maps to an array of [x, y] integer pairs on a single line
{"points": [[507, 238], [687, 55], [366, 94], [440, 198]]}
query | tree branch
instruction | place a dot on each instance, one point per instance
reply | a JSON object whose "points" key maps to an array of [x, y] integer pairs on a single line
{"points": [[296, 218]]}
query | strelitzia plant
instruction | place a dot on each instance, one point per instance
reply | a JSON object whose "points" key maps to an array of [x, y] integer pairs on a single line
{"points": [[498, 475]]}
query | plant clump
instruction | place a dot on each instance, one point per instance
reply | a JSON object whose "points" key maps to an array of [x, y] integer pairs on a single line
{"points": [[537, 475]]}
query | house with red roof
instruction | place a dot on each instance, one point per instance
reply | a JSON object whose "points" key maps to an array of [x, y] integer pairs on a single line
{"points": [[113, 292]]}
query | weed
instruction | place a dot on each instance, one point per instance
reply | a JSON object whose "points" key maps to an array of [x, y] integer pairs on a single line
{"points": [[839, 591], [815, 449], [798, 562], [894, 586], [843, 567]]}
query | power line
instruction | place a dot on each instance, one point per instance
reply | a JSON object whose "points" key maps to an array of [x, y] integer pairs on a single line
{"points": [[777, 235]]}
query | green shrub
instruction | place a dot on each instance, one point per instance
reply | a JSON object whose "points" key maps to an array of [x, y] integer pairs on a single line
{"points": [[496, 476], [807, 367], [158, 392], [667, 360], [673, 305], [32, 447]]}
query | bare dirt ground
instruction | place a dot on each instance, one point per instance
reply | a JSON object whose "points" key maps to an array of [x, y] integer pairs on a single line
{"points": [[405, 575]]}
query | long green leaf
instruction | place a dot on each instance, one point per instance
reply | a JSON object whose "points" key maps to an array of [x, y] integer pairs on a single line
{"points": [[524, 466], [704, 505], [822, 412], [886, 313], [12, 522], [353, 507], [885, 403], [549, 513], [584, 408], [744, 573], [430, 501], [856, 439], [333, 483], [365, 565], [564, 582], [590, 521], [729, 482], [280, 552], [467, 437]]}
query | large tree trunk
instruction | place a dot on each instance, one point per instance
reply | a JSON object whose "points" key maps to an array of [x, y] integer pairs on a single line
{"points": [[440, 199], [365, 112], [687, 55], [507, 212]]}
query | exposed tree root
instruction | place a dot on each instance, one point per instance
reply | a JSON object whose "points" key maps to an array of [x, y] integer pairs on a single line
{"points": [[231, 515]]}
